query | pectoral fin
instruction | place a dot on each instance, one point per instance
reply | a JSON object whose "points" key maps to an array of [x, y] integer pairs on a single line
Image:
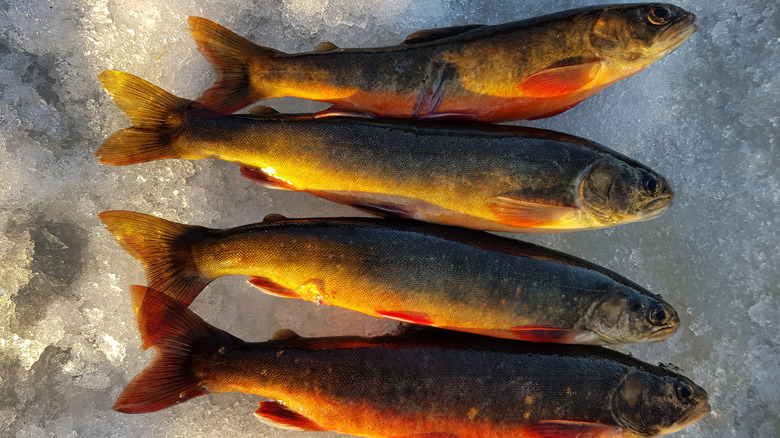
{"points": [[556, 80], [412, 317], [551, 334], [265, 179], [280, 416], [559, 428], [527, 214]]}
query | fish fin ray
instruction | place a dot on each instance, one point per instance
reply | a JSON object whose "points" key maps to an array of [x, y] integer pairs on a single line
{"points": [[560, 81], [163, 248], [427, 35], [411, 317], [234, 58], [573, 429], [272, 288], [527, 214], [550, 334], [151, 110], [172, 330], [266, 180], [278, 415]]}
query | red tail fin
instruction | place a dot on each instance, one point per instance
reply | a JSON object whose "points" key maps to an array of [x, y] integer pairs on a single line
{"points": [[150, 109], [235, 59], [163, 248], [172, 330]]}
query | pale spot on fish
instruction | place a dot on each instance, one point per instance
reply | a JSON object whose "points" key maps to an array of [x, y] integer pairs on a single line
{"points": [[529, 399], [472, 413]]}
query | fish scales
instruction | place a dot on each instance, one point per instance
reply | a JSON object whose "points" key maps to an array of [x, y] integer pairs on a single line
{"points": [[427, 383], [414, 272], [497, 178]]}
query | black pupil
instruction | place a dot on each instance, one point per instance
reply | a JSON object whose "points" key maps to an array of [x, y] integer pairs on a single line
{"points": [[661, 12], [685, 392], [651, 184], [660, 314]]}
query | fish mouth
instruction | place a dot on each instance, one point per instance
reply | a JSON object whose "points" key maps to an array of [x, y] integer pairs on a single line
{"points": [[689, 418], [677, 32], [662, 333], [654, 208]]}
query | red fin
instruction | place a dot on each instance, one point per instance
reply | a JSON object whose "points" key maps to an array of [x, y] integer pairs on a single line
{"points": [[571, 429], [335, 111], [554, 335], [163, 248], [278, 415], [235, 59], [150, 109], [560, 81], [173, 330], [527, 214], [556, 112], [448, 116], [271, 288], [413, 317], [266, 180]]}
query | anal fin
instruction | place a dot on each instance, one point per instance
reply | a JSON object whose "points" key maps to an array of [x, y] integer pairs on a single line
{"points": [[278, 415], [272, 288]]}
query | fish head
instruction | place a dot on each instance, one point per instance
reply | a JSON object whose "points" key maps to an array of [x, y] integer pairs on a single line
{"points": [[615, 191], [635, 36], [626, 316], [658, 403]]}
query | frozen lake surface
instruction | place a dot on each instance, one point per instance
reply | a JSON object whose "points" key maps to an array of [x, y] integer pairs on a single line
{"points": [[706, 117]]}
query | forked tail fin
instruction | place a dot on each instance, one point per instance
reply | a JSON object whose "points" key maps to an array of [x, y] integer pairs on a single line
{"points": [[235, 59], [164, 250], [173, 331], [152, 111]]}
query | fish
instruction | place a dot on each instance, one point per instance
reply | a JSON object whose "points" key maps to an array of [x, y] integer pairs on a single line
{"points": [[432, 384], [473, 175], [413, 272], [528, 69]]}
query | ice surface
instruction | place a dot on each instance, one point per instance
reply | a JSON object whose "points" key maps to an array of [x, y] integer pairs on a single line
{"points": [[706, 117]]}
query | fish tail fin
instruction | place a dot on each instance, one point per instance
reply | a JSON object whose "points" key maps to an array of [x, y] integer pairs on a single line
{"points": [[152, 111], [164, 249], [173, 331], [235, 59]]}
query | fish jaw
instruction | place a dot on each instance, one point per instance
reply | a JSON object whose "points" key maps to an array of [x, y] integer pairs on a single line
{"points": [[691, 417]]}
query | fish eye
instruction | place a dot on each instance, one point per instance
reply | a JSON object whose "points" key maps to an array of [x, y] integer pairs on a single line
{"points": [[683, 391], [650, 184], [659, 315], [659, 15]]}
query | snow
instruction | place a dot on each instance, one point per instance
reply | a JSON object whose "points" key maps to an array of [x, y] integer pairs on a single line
{"points": [[706, 117]]}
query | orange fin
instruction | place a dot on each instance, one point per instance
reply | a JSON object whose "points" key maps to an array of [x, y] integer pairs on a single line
{"points": [[278, 415], [426, 35], [164, 250], [572, 429], [412, 317], [272, 288], [172, 330], [335, 111], [550, 334], [556, 112], [266, 180], [558, 80], [448, 116], [151, 110], [235, 59], [527, 214]]}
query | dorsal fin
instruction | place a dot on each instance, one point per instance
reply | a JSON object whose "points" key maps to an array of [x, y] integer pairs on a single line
{"points": [[262, 110], [325, 46], [284, 334], [274, 217], [426, 35]]}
